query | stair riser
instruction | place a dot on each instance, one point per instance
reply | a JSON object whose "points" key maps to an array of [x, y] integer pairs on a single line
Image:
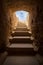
{"points": [[21, 51], [21, 29], [19, 40], [20, 34]]}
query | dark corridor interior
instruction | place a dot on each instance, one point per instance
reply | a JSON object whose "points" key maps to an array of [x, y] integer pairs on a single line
{"points": [[21, 42]]}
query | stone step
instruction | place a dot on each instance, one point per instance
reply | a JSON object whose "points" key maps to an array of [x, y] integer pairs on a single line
{"points": [[20, 49], [20, 39], [21, 33], [21, 29]]}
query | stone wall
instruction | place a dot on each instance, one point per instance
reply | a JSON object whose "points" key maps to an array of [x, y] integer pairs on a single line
{"points": [[4, 26], [38, 26]]}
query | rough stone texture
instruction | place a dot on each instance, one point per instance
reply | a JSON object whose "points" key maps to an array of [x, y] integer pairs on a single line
{"points": [[21, 60], [36, 17], [4, 26]]}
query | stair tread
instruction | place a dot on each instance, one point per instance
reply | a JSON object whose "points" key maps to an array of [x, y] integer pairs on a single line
{"points": [[21, 31], [22, 27], [21, 46], [19, 37]]}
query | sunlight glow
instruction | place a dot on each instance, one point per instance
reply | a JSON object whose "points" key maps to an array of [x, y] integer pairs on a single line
{"points": [[20, 18], [22, 15]]}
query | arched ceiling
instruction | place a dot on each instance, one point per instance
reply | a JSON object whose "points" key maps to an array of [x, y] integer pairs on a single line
{"points": [[11, 6], [15, 5]]}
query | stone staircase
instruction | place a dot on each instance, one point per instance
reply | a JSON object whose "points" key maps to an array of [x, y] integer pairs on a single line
{"points": [[21, 42]]}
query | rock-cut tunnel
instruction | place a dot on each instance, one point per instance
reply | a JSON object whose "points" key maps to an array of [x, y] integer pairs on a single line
{"points": [[21, 32]]}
